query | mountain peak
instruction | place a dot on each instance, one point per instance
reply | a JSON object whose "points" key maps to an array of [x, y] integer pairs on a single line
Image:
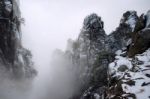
{"points": [[130, 18], [93, 22]]}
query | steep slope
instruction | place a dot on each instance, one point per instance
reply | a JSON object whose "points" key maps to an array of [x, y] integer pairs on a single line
{"points": [[16, 66], [14, 59], [129, 39], [129, 74], [93, 53], [130, 77], [86, 49]]}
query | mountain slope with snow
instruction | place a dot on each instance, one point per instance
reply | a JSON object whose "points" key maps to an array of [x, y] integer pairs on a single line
{"points": [[114, 66], [132, 76]]}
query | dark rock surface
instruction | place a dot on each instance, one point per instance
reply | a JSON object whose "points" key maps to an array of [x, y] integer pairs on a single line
{"points": [[94, 50], [13, 56]]}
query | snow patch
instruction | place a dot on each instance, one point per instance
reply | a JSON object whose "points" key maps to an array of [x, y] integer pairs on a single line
{"points": [[8, 5], [148, 19], [96, 96], [138, 73], [131, 21]]}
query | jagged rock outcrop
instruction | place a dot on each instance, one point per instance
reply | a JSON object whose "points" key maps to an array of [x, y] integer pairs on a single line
{"points": [[83, 52], [94, 52], [88, 46], [121, 37], [141, 38], [129, 77], [15, 59]]}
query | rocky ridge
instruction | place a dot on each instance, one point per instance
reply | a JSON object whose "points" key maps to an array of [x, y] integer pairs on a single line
{"points": [[94, 52]]}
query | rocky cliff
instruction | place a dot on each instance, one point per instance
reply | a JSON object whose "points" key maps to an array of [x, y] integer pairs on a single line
{"points": [[107, 66], [14, 58]]}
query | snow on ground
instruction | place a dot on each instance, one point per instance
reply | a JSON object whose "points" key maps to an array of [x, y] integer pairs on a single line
{"points": [[137, 72]]}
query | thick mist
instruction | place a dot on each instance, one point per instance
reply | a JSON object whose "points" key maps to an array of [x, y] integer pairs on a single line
{"points": [[48, 26], [11, 88]]}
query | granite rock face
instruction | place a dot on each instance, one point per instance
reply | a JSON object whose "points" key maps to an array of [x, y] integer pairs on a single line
{"points": [[94, 50], [90, 43], [14, 57]]}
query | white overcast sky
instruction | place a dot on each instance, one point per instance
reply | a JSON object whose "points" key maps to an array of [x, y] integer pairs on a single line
{"points": [[54, 21], [49, 23]]}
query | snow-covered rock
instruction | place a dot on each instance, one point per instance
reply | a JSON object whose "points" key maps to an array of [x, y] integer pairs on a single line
{"points": [[8, 5], [93, 22], [135, 81], [130, 18], [148, 19], [93, 52]]}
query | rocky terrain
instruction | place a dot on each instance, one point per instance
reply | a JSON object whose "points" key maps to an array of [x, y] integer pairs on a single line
{"points": [[114, 66]]}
